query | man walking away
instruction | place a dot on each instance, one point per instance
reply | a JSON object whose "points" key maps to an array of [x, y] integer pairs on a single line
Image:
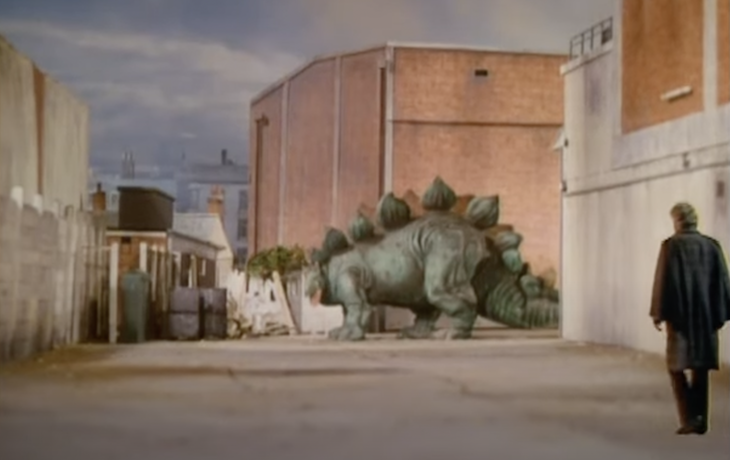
{"points": [[691, 297]]}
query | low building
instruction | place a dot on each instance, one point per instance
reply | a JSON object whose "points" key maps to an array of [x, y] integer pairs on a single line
{"points": [[145, 222], [344, 129], [208, 227], [647, 125]]}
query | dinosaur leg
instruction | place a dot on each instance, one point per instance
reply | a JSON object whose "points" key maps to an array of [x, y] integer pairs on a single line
{"points": [[357, 310], [335, 332], [423, 325], [456, 299]]}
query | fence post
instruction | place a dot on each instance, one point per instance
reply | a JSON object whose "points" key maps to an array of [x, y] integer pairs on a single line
{"points": [[113, 292], [89, 255], [68, 313], [101, 266], [154, 272], [60, 289], [143, 257], [78, 306], [10, 251]]}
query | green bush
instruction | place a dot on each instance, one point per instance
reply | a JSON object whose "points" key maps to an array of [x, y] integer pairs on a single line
{"points": [[278, 259]]}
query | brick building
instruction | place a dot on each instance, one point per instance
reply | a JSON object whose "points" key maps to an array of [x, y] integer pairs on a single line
{"points": [[647, 124], [343, 129]]}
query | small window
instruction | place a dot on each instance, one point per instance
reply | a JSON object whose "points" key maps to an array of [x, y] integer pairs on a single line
{"points": [[242, 231], [481, 73]]}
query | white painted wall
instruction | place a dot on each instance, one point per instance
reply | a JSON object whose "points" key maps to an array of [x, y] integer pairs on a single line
{"points": [[616, 206], [610, 249]]}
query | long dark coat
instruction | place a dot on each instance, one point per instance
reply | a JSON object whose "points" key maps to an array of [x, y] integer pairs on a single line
{"points": [[692, 296]]}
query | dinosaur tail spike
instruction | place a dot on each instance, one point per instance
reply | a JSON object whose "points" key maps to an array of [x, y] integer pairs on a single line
{"points": [[361, 228], [393, 212]]}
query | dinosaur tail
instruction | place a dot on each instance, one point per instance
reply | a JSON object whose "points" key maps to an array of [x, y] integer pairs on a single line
{"points": [[516, 300]]}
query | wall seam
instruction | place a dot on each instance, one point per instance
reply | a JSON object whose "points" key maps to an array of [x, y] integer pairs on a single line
{"points": [[283, 150], [389, 109], [336, 144], [710, 54]]}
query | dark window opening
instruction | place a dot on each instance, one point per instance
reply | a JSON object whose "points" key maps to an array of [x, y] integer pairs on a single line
{"points": [[126, 240], [482, 73]]}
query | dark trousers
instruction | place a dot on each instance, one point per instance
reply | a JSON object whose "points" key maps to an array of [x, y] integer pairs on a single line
{"points": [[692, 396]]}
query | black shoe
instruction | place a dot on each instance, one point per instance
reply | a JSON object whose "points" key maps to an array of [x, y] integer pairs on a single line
{"points": [[698, 426], [686, 429]]}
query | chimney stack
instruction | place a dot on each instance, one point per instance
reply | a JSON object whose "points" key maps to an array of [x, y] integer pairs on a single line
{"points": [[216, 202], [224, 157], [98, 200]]}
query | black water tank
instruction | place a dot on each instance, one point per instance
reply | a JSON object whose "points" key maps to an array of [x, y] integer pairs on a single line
{"points": [[145, 209]]}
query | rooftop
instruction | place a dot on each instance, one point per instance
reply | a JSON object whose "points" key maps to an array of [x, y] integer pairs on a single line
{"points": [[392, 45]]}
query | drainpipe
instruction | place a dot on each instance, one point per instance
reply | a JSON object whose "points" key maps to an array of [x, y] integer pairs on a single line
{"points": [[562, 145]]}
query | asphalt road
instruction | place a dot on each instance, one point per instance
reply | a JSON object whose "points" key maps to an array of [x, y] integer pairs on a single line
{"points": [[301, 398]]}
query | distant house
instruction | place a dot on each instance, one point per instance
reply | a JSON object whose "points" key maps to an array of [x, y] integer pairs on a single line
{"points": [[191, 186], [131, 175], [197, 182]]}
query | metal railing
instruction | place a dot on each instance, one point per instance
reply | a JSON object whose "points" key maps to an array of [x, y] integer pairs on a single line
{"points": [[592, 38]]}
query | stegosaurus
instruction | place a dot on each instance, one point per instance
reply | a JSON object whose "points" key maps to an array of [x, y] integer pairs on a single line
{"points": [[441, 262]]}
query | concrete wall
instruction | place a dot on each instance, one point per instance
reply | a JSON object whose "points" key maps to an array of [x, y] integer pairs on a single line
{"points": [[43, 133], [620, 187], [51, 271], [484, 135]]}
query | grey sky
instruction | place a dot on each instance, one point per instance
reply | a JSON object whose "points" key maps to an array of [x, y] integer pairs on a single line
{"points": [[161, 76]]}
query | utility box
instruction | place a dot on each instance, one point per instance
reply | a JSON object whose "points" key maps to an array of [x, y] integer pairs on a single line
{"points": [[135, 306], [145, 209]]}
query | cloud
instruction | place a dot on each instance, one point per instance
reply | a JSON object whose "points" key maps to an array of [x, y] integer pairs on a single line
{"points": [[153, 69], [539, 25], [145, 87]]}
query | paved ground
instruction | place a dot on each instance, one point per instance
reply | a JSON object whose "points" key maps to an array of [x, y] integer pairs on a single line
{"points": [[297, 398]]}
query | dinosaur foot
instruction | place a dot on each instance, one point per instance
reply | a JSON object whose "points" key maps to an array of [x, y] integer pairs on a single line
{"points": [[451, 334], [416, 332], [346, 334]]}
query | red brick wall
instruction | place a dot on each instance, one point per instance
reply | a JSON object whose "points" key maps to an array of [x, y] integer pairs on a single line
{"points": [[437, 85], [723, 50], [265, 175], [662, 50], [515, 162], [477, 154], [491, 136], [310, 153], [360, 163]]}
